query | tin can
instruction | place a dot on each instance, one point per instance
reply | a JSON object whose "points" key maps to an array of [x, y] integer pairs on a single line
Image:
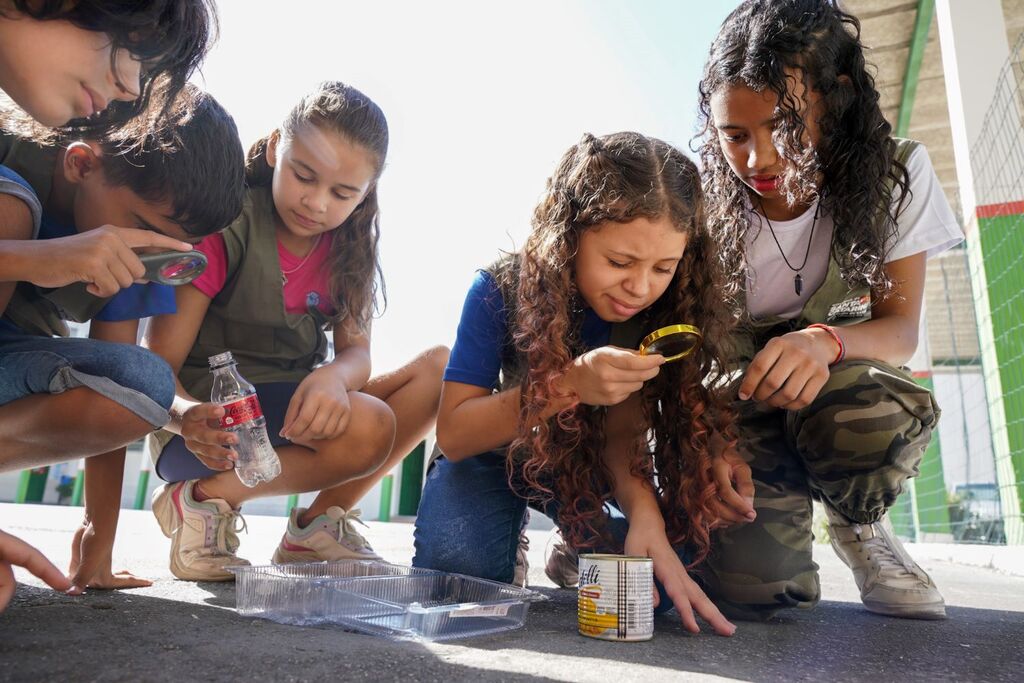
{"points": [[615, 597]]}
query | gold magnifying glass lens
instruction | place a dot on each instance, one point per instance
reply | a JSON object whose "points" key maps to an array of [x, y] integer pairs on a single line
{"points": [[673, 342]]}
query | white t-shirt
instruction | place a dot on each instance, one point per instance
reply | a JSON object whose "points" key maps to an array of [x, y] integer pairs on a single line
{"points": [[926, 224]]}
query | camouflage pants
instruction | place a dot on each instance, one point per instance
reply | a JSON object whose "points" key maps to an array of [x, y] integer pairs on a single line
{"points": [[852, 448]]}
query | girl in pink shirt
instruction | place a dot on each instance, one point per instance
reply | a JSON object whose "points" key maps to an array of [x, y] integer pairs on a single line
{"points": [[300, 260]]}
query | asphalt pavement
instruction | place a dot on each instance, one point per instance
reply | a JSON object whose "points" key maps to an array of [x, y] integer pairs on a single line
{"points": [[176, 630]]}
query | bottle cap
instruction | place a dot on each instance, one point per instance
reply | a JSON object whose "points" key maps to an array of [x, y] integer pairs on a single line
{"points": [[221, 359]]}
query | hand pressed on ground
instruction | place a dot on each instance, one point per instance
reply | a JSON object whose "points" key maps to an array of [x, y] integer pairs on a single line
{"points": [[684, 592]]}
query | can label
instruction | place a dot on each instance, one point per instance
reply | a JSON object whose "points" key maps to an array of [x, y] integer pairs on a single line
{"points": [[615, 597], [241, 411]]}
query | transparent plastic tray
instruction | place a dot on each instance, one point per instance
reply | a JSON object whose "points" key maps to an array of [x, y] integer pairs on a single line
{"points": [[429, 606], [382, 599], [294, 593]]}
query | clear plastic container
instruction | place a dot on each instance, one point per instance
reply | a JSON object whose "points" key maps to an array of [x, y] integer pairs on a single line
{"points": [[294, 593], [382, 599], [432, 606]]}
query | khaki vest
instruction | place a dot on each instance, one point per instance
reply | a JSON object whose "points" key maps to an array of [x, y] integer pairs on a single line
{"points": [[247, 316], [833, 303], [34, 309]]}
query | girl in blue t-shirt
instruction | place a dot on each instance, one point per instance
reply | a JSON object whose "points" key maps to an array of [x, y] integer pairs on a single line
{"points": [[545, 402]]}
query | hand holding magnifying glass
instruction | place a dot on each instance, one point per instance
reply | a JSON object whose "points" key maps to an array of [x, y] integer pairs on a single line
{"points": [[674, 342]]}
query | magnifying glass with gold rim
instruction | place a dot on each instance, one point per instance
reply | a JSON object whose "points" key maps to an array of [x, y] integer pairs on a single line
{"points": [[673, 341]]}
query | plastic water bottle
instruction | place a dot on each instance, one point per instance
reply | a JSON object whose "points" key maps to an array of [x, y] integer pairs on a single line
{"points": [[243, 416]]}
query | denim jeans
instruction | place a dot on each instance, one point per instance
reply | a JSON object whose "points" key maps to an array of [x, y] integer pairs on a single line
{"points": [[139, 380], [470, 517]]}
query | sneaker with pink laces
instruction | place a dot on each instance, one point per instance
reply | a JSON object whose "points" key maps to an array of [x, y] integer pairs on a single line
{"points": [[204, 535], [331, 536]]}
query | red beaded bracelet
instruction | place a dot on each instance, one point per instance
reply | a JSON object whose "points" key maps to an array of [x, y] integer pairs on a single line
{"points": [[835, 337]]}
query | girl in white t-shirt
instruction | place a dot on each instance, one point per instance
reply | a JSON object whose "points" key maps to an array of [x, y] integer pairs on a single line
{"points": [[825, 222]]}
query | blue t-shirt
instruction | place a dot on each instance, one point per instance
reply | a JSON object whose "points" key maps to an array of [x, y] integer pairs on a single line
{"points": [[13, 184], [483, 334], [134, 302]]}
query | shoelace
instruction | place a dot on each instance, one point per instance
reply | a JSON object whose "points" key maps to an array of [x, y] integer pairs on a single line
{"points": [[886, 558], [227, 530], [346, 529]]}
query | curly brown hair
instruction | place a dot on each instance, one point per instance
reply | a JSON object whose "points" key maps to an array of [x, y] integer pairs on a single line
{"points": [[765, 45], [354, 262], [619, 178]]}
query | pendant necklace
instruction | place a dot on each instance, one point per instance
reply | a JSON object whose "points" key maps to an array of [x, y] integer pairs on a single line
{"points": [[798, 281], [316, 243]]}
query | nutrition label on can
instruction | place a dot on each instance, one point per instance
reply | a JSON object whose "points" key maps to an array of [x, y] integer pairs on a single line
{"points": [[615, 597]]}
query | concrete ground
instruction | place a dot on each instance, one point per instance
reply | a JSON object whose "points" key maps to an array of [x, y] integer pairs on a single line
{"points": [[181, 631]]}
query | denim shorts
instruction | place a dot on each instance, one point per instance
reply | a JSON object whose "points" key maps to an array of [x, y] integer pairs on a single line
{"points": [[129, 375]]}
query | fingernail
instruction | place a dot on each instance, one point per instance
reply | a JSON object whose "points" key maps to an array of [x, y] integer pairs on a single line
{"points": [[751, 516], [744, 396], [75, 590]]}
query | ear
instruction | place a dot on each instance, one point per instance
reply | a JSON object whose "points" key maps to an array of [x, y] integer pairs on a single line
{"points": [[272, 142], [81, 160]]}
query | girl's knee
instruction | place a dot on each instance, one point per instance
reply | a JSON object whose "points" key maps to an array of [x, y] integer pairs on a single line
{"points": [[435, 360], [370, 433]]}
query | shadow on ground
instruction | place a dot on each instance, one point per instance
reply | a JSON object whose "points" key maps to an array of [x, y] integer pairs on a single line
{"points": [[127, 636]]}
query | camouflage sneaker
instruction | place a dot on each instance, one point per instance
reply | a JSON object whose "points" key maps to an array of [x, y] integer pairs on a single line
{"points": [[331, 536], [890, 582], [522, 572], [562, 562], [204, 536]]}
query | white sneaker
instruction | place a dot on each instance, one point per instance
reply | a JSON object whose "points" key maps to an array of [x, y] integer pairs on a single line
{"points": [[331, 536], [562, 564], [890, 582], [522, 563], [204, 536]]}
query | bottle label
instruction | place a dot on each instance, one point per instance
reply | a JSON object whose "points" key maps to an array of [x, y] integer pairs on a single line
{"points": [[241, 411]]}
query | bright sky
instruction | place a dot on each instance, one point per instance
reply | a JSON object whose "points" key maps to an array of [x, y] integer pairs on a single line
{"points": [[482, 99]]}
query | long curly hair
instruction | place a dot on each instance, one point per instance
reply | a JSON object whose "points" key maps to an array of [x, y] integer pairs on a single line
{"points": [[357, 283], [620, 178], [766, 45]]}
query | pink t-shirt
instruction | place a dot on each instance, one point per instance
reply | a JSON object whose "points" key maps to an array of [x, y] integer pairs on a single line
{"points": [[307, 284]]}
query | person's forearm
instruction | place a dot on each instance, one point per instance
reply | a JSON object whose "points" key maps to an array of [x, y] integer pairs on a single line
{"points": [[13, 265], [483, 424], [633, 494], [351, 366], [892, 339], [181, 404]]}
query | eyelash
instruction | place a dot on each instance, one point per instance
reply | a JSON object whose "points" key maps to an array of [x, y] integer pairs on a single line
{"points": [[661, 271], [307, 181]]}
